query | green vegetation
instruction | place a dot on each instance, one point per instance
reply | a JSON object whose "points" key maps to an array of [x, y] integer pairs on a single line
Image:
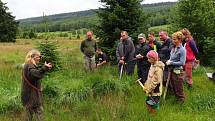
{"points": [[115, 17], [72, 94], [50, 54], [157, 29], [8, 25], [199, 17]]}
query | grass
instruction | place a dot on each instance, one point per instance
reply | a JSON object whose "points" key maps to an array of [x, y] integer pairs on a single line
{"points": [[72, 94]]}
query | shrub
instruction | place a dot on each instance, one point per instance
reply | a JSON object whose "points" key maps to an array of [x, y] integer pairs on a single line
{"points": [[50, 54]]}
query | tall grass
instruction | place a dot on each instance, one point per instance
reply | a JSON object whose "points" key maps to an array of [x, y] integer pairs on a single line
{"points": [[72, 94]]}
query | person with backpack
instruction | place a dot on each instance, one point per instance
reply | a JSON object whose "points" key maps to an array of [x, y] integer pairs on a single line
{"points": [[31, 91], [191, 53]]}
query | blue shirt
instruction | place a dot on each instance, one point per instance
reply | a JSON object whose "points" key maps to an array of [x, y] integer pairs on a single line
{"points": [[178, 56]]}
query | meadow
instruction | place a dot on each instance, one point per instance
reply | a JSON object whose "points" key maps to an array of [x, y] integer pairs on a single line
{"points": [[72, 94]]}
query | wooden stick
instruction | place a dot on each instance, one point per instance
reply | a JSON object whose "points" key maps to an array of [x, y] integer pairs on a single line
{"points": [[140, 83]]}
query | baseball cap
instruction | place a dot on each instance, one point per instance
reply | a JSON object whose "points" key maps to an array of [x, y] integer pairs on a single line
{"points": [[141, 35]]}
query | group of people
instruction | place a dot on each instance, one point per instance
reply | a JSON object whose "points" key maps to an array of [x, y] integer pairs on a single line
{"points": [[155, 62], [93, 56], [173, 59]]}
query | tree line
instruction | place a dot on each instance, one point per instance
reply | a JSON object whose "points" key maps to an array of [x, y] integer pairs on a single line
{"points": [[196, 15]]}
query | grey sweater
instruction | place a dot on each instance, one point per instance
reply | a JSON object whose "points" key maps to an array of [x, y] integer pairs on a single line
{"points": [[125, 49]]}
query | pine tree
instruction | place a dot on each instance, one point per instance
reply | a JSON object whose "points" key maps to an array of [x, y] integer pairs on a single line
{"points": [[117, 16], [50, 54], [8, 25]]}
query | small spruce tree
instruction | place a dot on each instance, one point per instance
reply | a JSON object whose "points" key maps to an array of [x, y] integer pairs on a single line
{"points": [[50, 54]]}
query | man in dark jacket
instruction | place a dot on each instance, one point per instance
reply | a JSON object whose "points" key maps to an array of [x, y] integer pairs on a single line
{"points": [[142, 62], [125, 53], [101, 58], [164, 52], [88, 48], [153, 43]]}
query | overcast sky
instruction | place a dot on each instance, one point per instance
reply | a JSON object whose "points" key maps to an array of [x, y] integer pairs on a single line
{"points": [[33, 8]]}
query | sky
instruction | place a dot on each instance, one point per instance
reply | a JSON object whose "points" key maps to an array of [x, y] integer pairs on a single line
{"points": [[34, 8]]}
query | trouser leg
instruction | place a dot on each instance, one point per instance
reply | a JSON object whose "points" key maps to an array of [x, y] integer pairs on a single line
{"points": [[38, 113], [129, 68], [92, 63], [177, 83], [86, 63], [188, 70], [28, 114]]}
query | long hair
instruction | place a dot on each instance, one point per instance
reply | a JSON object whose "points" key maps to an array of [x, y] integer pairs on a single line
{"points": [[29, 59], [185, 31]]}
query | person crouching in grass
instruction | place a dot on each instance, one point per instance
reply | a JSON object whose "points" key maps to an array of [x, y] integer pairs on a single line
{"points": [[31, 93], [153, 84]]}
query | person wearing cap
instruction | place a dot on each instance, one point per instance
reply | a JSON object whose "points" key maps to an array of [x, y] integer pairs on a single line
{"points": [[164, 52], [153, 84], [153, 43], [142, 61], [125, 52], [176, 63]]}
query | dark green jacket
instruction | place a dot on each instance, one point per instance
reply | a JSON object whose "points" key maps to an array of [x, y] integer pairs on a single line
{"points": [[31, 84], [88, 47]]}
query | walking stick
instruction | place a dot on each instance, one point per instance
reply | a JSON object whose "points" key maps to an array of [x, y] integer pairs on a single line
{"points": [[140, 83], [121, 70], [167, 84]]}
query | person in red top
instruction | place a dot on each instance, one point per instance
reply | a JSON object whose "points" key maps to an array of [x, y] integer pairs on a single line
{"points": [[191, 53]]}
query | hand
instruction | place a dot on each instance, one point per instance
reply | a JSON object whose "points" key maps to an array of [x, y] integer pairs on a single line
{"points": [[49, 65], [168, 62], [139, 56], [97, 65], [122, 62], [122, 58]]}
